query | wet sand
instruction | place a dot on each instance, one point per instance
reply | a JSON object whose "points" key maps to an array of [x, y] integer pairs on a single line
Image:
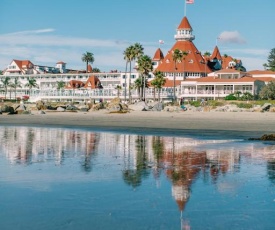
{"points": [[250, 124]]}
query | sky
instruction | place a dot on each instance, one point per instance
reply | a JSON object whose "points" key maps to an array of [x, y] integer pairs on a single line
{"points": [[46, 32]]}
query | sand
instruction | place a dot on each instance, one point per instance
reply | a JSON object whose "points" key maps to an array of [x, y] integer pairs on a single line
{"points": [[249, 124]]}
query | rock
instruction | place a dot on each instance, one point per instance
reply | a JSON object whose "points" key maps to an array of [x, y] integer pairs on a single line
{"points": [[40, 105], [7, 109], [83, 108], [266, 107], [139, 106], [19, 109], [41, 112], [71, 108], [158, 107], [115, 108], [98, 106], [26, 112], [265, 137], [114, 105], [60, 109]]}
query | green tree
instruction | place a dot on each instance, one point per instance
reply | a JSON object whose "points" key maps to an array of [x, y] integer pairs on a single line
{"points": [[132, 53], [177, 57], [126, 56], [96, 70], [265, 66], [237, 94], [118, 88], [6, 82], [60, 85], [268, 91], [247, 96], [158, 82], [137, 52], [16, 84], [31, 84], [88, 57], [271, 60], [138, 85], [145, 66], [207, 54]]}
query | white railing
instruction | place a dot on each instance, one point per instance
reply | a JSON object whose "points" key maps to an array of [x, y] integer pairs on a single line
{"points": [[110, 93]]}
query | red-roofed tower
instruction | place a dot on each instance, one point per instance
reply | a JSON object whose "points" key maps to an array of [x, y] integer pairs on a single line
{"points": [[193, 64]]}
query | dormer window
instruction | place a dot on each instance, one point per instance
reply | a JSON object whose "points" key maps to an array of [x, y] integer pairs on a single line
{"points": [[191, 61], [167, 61]]}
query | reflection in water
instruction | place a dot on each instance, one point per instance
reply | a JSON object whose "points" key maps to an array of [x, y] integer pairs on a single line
{"points": [[183, 161]]}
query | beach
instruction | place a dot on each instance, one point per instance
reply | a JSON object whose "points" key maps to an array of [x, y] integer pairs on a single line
{"points": [[251, 123]]}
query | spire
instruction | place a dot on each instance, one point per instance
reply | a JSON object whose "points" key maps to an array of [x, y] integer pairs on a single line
{"points": [[216, 54], [158, 55], [184, 31]]}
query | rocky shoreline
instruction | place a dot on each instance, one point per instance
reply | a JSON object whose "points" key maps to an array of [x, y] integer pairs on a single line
{"points": [[116, 106]]}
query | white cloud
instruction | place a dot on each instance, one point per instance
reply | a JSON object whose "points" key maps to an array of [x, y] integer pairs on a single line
{"points": [[231, 37], [38, 38], [45, 49], [48, 30]]}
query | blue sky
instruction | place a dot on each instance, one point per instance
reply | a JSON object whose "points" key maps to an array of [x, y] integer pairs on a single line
{"points": [[55, 30]]}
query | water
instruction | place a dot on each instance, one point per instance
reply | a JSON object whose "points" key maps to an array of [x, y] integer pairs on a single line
{"points": [[81, 179]]}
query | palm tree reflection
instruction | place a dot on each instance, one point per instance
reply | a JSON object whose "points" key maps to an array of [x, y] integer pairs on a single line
{"points": [[133, 176]]}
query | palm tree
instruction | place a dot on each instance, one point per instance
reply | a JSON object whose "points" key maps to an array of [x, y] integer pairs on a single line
{"points": [[88, 58], [6, 82], [177, 57], [138, 86], [31, 84], [96, 70], [118, 88], [135, 52], [127, 59], [16, 84], [60, 85], [158, 82], [130, 54], [145, 66], [184, 54]]}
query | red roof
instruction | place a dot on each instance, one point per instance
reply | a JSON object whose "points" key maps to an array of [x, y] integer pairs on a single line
{"points": [[92, 82], [265, 79], [90, 69], [21, 63], [184, 24], [216, 54], [259, 72], [215, 80], [60, 62], [168, 83], [193, 62], [158, 55], [75, 84]]}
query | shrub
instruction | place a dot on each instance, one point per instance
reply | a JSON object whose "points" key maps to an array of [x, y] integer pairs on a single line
{"points": [[230, 97], [244, 105], [195, 103], [215, 103]]}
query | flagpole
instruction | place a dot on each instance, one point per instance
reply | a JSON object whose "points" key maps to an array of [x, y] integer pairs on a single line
{"points": [[184, 8]]}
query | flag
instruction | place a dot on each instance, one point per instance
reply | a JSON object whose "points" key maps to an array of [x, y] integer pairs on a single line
{"points": [[161, 42], [189, 1]]}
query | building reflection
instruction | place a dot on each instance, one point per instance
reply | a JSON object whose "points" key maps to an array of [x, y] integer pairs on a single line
{"points": [[181, 160], [23, 145]]}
